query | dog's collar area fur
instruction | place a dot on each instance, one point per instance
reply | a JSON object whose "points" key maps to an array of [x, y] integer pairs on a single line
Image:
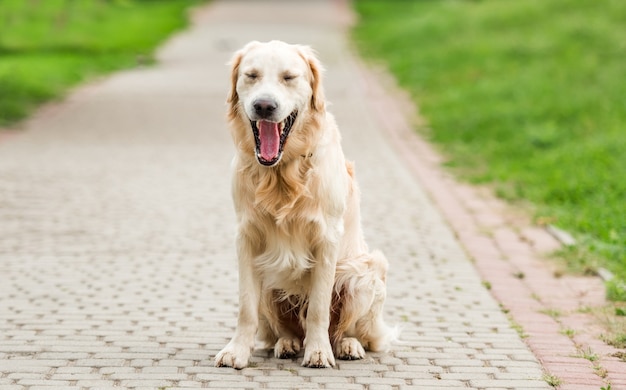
{"points": [[286, 128]]}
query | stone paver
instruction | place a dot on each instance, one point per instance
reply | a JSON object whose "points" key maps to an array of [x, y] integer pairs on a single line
{"points": [[117, 262]]}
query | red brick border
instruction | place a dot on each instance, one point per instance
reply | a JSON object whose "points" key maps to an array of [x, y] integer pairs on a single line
{"points": [[509, 253]]}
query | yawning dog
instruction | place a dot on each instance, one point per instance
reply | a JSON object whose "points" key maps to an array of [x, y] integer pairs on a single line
{"points": [[306, 275]]}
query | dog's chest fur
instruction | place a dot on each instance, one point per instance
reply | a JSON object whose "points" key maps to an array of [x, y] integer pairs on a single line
{"points": [[292, 226]]}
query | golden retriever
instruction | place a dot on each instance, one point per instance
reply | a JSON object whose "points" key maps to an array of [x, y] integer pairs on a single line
{"points": [[306, 276]]}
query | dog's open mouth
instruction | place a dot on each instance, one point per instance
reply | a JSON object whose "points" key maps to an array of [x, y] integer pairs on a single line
{"points": [[270, 138]]}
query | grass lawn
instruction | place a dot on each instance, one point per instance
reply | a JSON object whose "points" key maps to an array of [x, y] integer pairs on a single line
{"points": [[528, 97], [47, 46]]}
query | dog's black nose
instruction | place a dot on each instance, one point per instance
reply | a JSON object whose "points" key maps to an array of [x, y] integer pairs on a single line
{"points": [[265, 107]]}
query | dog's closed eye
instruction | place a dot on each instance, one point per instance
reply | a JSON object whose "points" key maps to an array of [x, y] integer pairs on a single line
{"points": [[252, 75]]}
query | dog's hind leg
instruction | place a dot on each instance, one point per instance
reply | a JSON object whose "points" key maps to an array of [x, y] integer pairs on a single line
{"points": [[349, 348], [280, 327], [361, 295], [285, 346], [371, 329]]}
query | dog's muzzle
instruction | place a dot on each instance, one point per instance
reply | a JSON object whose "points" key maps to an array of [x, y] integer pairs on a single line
{"points": [[270, 138]]}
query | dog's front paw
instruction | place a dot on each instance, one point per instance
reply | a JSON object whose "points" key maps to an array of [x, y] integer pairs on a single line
{"points": [[350, 349], [233, 355], [287, 347], [318, 355]]}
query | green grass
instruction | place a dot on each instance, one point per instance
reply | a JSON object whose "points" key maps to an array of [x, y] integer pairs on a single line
{"points": [[47, 46], [552, 380], [528, 97]]}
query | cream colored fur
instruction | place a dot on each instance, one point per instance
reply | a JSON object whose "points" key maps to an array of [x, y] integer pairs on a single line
{"points": [[306, 276]]}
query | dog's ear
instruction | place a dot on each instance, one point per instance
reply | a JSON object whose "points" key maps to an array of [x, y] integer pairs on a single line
{"points": [[316, 69], [232, 99]]}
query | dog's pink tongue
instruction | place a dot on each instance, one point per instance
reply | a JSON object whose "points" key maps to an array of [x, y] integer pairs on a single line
{"points": [[270, 140]]}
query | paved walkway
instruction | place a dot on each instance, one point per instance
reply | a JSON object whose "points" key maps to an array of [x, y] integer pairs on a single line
{"points": [[117, 261]]}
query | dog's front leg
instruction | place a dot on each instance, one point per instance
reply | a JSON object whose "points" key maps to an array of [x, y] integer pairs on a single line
{"points": [[318, 352], [237, 351]]}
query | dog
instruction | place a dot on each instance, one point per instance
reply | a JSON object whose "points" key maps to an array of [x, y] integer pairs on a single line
{"points": [[306, 276]]}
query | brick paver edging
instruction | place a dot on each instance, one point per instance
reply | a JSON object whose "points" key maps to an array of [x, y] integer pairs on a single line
{"points": [[509, 253]]}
